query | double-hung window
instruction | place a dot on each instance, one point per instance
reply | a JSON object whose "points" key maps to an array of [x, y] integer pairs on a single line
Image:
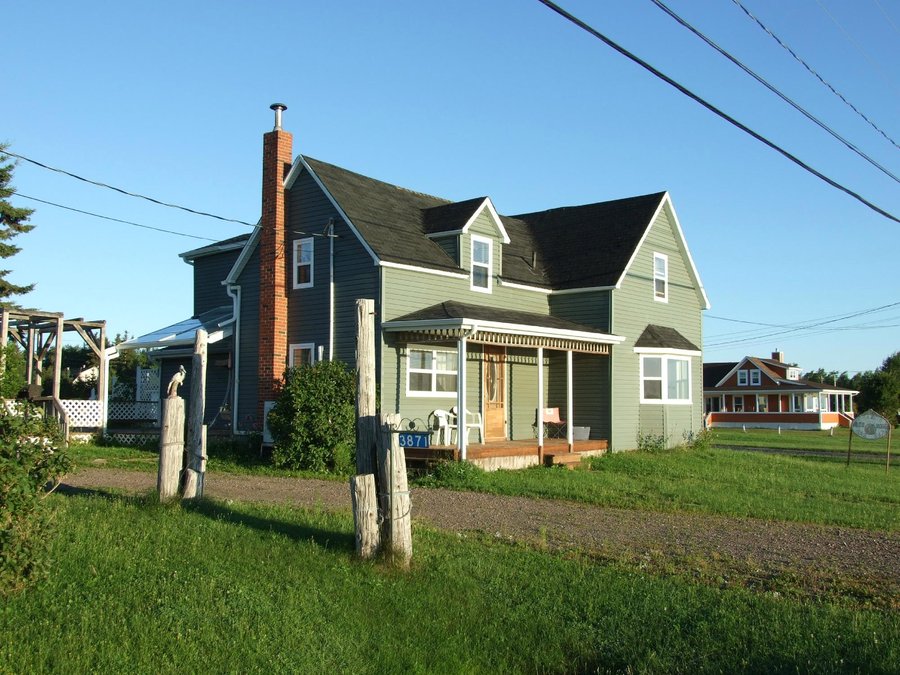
{"points": [[303, 263], [755, 378], [665, 379], [660, 277], [431, 372], [742, 378], [481, 264]]}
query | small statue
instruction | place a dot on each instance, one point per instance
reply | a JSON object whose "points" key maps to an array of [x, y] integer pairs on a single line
{"points": [[176, 381]]}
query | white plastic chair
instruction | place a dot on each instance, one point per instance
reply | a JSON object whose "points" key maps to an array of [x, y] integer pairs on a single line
{"points": [[440, 423], [472, 421]]}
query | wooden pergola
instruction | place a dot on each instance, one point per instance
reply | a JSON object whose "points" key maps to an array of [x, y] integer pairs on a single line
{"points": [[37, 333]]}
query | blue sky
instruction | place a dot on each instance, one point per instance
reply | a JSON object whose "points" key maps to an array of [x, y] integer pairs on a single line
{"points": [[462, 99]]}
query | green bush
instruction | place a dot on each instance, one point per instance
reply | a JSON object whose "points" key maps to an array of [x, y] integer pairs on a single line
{"points": [[313, 422], [31, 455], [651, 442], [452, 473]]}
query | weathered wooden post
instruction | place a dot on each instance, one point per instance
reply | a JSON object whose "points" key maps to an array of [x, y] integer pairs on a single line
{"points": [[171, 448], [365, 386], [395, 502], [363, 487], [195, 470]]}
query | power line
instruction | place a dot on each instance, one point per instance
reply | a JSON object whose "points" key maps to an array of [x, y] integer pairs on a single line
{"points": [[709, 106], [126, 192], [115, 220], [814, 73], [887, 16], [772, 88]]}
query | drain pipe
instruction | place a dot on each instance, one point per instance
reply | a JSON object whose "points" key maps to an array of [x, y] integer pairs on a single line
{"points": [[234, 292]]}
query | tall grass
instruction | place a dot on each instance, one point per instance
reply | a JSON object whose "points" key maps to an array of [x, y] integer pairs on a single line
{"points": [[713, 481], [233, 588]]}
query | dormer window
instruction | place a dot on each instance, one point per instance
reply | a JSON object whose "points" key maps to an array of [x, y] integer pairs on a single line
{"points": [[660, 277], [742, 378], [755, 378], [482, 257], [303, 263]]}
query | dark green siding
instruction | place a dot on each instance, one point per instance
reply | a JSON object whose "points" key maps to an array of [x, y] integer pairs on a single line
{"points": [[247, 381], [209, 272]]}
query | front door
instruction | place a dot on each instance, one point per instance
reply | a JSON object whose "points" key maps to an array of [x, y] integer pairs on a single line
{"points": [[494, 393]]}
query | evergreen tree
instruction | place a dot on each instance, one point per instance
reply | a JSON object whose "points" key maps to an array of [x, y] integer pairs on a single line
{"points": [[13, 222]]}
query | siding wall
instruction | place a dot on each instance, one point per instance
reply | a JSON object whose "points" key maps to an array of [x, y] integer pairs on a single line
{"points": [[217, 381], [247, 379], [209, 272], [633, 307]]}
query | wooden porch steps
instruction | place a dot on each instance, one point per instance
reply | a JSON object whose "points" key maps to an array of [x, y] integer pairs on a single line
{"points": [[567, 459]]}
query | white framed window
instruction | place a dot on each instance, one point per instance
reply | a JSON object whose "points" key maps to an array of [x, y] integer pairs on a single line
{"points": [[795, 403], [755, 378], [431, 372], [482, 263], [660, 277], [742, 378], [811, 402], [762, 403], [302, 354], [303, 263], [665, 379], [738, 404]]}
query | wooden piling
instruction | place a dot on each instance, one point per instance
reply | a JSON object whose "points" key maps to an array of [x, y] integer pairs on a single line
{"points": [[366, 423], [196, 437], [171, 448], [365, 515], [395, 501]]}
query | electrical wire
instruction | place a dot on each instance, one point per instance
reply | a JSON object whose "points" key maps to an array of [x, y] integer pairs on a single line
{"points": [[125, 192], [709, 106], [115, 220], [813, 72], [662, 6]]}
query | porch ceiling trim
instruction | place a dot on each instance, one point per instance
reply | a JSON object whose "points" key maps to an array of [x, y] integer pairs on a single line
{"points": [[502, 334]]}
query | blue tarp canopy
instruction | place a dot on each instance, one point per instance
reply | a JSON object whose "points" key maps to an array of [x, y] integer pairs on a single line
{"points": [[218, 323]]}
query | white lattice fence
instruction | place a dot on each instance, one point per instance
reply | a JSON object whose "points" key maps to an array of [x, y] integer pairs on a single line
{"points": [[83, 413], [134, 410]]}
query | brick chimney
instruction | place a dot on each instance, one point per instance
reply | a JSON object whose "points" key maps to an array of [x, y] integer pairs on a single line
{"points": [[778, 355], [277, 149]]}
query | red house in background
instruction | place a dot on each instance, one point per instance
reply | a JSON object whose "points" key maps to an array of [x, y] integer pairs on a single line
{"points": [[768, 394]]}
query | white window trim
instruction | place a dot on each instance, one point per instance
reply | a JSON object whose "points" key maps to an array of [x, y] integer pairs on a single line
{"points": [[742, 378], [415, 393], [298, 244], [665, 278], [665, 358], [755, 377], [490, 264], [311, 346]]}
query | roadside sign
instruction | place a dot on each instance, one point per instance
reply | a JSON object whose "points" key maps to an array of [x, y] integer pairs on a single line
{"points": [[871, 426]]}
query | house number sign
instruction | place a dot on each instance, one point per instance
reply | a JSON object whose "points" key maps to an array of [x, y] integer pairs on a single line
{"points": [[415, 439]]}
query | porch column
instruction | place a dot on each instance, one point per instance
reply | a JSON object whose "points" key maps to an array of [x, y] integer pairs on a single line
{"points": [[539, 412], [570, 432], [461, 434]]}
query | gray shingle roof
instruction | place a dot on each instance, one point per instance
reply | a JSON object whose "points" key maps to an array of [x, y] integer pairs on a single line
{"points": [[663, 337]]}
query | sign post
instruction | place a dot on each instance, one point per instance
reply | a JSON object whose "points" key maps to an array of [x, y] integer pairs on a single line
{"points": [[871, 426]]}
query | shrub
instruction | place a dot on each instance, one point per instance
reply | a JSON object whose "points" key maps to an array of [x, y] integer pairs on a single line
{"points": [[451, 473], [651, 442], [31, 455], [697, 440], [313, 422]]}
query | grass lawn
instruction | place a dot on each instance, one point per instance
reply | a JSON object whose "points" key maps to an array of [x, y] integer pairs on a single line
{"points": [[805, 440], [138, 587], [714, 481]]}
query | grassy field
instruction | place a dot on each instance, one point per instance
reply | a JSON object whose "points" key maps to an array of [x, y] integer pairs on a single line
{"points": [[715, 481], [138, 587], [836, 441]]}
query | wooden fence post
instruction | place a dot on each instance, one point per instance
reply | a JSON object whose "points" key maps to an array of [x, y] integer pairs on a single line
{"points": [[395, 502], [365, 515], [171, 448], [365, 386], [195, 471]]}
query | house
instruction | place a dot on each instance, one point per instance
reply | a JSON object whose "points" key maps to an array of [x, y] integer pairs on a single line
{"points": [[594, 309], [769, 394]]}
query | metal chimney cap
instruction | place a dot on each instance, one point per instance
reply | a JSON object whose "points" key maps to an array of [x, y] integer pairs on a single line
{"points": [[278, 108]]}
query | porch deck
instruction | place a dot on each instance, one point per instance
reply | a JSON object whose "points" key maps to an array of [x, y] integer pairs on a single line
{"points": [[509, 454]]}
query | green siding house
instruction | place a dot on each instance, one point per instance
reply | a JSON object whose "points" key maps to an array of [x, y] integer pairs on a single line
{"points": [[593, 310]]}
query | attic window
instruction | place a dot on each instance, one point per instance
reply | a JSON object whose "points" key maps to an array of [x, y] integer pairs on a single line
{"points": [[660, 277], [481, 264]]}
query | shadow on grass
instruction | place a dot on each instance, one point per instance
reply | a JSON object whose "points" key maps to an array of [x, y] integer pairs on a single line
{"points": [[326, 538], [297, 531]]}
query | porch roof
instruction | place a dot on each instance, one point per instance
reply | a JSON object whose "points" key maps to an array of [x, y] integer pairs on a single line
{"points": [[491, 325], [216, 322]]}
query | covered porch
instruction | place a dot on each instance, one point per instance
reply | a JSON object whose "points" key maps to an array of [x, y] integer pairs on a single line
{"points": [[459, 355]]}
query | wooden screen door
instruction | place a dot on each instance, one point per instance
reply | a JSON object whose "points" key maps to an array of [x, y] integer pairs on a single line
{"points": [[494, 393]]}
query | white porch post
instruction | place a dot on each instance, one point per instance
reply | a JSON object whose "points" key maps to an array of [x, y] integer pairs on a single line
{"points": [[461, 432], [570, 435], [539, 412]]}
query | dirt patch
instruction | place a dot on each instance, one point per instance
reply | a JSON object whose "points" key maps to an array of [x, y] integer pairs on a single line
{"points": [[754, 549]]}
